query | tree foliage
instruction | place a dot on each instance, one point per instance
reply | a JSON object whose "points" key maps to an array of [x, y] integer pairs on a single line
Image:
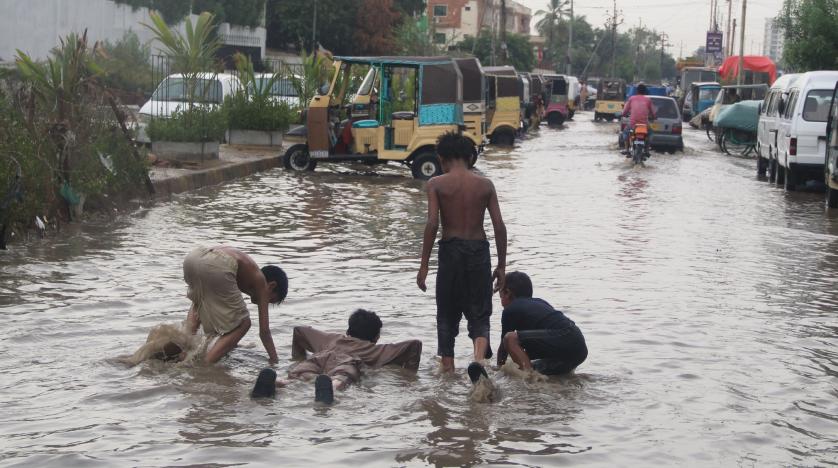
{"points": [[519, 52], [290, 24], [374, 32], [811, 33], [239, 12], [126, 64]]}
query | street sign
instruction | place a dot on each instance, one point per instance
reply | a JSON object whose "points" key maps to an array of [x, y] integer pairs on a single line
{"points": [[714, 42]]}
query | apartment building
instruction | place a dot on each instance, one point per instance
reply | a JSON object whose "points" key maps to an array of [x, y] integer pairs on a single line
{"points": [[772, 44], [455, 20]]}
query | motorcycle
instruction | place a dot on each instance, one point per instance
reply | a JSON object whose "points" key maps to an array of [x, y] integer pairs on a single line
{"points": [[638, 142]]}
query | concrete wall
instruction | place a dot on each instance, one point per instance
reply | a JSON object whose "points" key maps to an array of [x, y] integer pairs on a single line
{"points": [[35, 26]]}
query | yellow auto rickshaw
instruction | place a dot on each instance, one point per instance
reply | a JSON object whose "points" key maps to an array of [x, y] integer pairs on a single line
{"points": [[610, 98]]}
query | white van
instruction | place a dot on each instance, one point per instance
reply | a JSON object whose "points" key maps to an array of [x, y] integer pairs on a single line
{"points": [[768, 121], [801, 140], [171, 95]]}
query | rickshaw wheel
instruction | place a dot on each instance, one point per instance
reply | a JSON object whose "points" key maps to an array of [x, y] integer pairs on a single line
{"points": [[425, 165], [555, 119], [298, 159], [503, 138], [610, 118]]}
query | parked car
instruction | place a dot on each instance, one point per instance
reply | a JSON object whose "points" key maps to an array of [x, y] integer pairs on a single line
{"points": [[801, 140], [172, 94], [666, 128], [831, 154], [283, 89], [769, 117]]}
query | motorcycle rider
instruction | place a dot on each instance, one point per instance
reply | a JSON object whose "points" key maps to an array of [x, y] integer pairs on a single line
{"points": [[639, 109]]}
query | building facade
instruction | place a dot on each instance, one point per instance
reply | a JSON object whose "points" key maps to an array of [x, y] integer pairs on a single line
{"points": [[455, 20], [36, 26], [772, 44]]}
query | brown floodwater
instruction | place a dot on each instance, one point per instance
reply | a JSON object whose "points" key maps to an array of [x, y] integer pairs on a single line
{"points": [[707, 298]]}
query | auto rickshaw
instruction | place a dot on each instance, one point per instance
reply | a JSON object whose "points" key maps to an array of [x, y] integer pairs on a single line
{"points": [[700, 97], [610, 98], [474, 96], [536, 108], [404, 136], [503, 105], [555, 91], [573, 95]]}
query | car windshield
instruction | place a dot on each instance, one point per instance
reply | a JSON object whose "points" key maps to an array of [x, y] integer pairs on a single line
{"points": [[816, 107], [366, 85], [708, 94], [176, 89], [665, 108], [280, 87]]}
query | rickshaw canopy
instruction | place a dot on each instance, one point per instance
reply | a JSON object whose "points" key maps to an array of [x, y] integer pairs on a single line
{"points": [[440, 85], [474, 79], [755, 63]]}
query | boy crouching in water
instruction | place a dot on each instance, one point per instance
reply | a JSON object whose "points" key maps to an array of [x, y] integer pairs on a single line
{"points": [[536, 335], [337, 359]]}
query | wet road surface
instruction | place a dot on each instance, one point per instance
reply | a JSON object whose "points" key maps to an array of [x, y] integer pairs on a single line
{"points": [[707, 298]]}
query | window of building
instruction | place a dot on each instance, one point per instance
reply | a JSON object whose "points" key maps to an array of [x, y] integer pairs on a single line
{"points": [[439, 38], [468, 8], [440, 10]]}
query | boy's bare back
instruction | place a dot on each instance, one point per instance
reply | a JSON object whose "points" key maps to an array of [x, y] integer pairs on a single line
{"points": [[462, 198]]}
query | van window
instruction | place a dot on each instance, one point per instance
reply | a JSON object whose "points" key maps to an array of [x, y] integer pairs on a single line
{"points": [[767, 102], [791, 102], [176, 89], [816, 105]]}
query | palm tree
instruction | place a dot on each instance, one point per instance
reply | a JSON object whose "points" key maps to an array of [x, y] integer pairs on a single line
{"points": [[190, 53], [556, 9]]}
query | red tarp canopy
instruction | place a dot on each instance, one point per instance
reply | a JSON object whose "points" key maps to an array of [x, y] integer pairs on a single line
{"points": [[755, 63]]}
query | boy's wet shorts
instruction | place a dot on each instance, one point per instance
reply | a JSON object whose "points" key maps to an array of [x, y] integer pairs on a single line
{"points": [[463, 287], [556, 351]]}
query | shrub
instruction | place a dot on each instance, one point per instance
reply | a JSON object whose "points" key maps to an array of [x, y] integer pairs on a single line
{"points": [[261, 114], [126, 64], [194, 124]]}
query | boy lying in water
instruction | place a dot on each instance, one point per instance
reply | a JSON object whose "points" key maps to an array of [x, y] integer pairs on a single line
{"points": [[336, 360]]}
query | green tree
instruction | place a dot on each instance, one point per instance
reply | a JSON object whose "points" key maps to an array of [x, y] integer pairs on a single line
{"points": [[289, 23], [811, 32], [519, 50], [126, 65], [549, 23]]}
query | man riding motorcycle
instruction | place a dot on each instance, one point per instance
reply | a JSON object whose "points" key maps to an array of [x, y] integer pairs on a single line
{"points": [[639, 109]]}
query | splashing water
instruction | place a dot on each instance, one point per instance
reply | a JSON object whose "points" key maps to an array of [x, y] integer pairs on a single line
{"points": [[164, 338]]}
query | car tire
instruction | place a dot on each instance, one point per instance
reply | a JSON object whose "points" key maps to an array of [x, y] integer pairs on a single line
{"points": [[790, 180], [780, 178], [772, 170], [425, 165], [831, 197], [762, 166], [298, 159]]}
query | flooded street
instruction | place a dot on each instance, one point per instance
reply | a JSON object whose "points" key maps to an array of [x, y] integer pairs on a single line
{"points": [[708, 300]]}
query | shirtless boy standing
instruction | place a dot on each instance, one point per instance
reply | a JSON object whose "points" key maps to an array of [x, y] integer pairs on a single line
{"points": [[217, 277], [464, 279]]}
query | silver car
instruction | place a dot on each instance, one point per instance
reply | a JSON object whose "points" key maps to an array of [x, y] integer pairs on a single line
{"points": [[666, 128]]}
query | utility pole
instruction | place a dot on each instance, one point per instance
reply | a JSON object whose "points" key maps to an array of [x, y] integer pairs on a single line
{"points": [[614, 40], [637, 49], [503, 31], [728, 49], [733, 37], [570, 41], [664, 44], [314, 29], [742, 45]]}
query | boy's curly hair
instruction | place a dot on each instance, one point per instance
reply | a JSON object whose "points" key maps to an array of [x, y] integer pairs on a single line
{"points": [[453, 145]]}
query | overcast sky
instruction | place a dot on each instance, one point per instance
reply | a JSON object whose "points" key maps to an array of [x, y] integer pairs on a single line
{"points": [[684, 21]]}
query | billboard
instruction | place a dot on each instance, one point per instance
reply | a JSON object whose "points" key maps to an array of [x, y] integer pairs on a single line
{"points": [[714, 42]]}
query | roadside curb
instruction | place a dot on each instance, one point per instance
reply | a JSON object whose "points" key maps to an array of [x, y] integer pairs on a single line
{"points": [[234, 162]]}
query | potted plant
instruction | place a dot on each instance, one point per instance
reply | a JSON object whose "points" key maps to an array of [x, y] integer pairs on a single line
{"points": [[255, 114], [194, 129]]}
